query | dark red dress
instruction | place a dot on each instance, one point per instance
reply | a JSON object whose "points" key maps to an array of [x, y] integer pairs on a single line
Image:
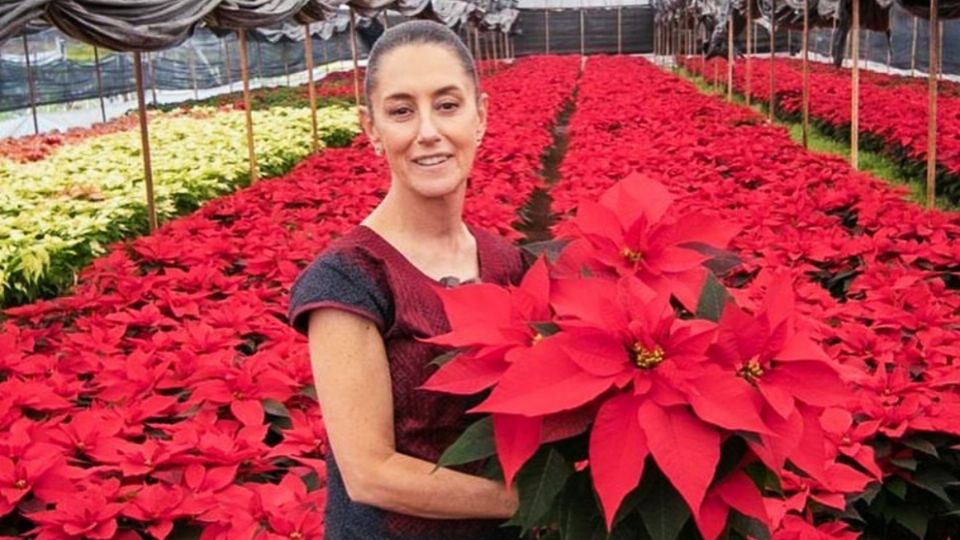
{"points": [[363, 274]]}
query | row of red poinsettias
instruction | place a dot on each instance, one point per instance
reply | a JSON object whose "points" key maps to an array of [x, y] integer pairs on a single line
{"points": [[876, 277], [167, 391], [892, 109]]}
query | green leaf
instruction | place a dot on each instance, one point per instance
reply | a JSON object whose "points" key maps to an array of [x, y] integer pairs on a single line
{"points": [[579, 515], [748, 526], [663, 511], [934, 480], [712, 298], [911, 517], [475, 444], [275, 408], [539, 483], [921, 444], [905, 463], [897, 486]]}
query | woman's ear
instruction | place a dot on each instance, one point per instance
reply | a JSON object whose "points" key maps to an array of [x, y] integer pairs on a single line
{"points": [[366, 123], [482, 104]]}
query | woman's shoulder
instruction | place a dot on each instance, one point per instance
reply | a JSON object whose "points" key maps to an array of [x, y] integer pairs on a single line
{"points": [[346, 274]]}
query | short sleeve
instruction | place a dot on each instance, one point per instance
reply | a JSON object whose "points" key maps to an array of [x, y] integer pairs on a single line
{"points": [[339, 280]]}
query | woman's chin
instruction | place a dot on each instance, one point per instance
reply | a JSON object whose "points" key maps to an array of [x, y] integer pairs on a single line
{"points": [[437, 188]]}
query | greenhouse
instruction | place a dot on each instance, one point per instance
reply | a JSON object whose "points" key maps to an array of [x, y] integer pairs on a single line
{"points": [[479, 269]]}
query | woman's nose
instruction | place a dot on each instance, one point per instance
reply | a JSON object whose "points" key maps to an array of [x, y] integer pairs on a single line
{"points": [[428, 132]]}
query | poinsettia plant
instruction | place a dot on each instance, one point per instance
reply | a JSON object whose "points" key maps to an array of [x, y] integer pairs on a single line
{"points": [[627, 394]]}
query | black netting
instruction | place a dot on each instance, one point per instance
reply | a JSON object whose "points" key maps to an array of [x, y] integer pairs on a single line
{"points": [[600, 30], [64, 70]]}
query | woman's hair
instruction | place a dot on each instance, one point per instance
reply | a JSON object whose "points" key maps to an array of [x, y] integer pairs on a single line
{"points": [[413, 33]]}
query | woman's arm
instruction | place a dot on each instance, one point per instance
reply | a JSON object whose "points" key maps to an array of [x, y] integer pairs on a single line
{"points": [[353, 384]]}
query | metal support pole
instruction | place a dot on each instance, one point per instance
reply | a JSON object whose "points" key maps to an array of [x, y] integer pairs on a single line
{"points": [[152, 69], [913, 49], [30, 86], [356, 58], [932, 103], [248, 105], [773, 58], [96, 62], [546, 26], [582, 43], [192, 57], [805, 105], [229, 68], [619, 29], [145, 141], [730, 58], [286, 64], [855, 89], [749, 47]]}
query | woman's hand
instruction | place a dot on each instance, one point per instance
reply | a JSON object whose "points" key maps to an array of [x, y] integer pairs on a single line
{"points": [[352, 378]]}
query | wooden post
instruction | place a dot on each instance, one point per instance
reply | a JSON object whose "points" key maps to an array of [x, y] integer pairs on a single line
{"points": [[913, 49], [855, 89], [805, 105], [730, 57], [356, 58], [546, 26], [619, 29], [96, 61], [30, 86], [248, 105], [748, 45], [773, 59], [229, 70], [311, 89], [932, 104], [145, 141], [789, 42]]}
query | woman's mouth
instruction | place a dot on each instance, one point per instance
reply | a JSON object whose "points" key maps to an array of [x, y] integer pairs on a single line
{"points": [[431, 161]]}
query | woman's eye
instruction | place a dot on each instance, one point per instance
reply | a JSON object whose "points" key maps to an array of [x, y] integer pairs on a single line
{"points": [[400, 111], [449, 106]]}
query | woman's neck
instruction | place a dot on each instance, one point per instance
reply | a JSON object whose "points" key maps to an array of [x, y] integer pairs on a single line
{"points": [[403, 215]]}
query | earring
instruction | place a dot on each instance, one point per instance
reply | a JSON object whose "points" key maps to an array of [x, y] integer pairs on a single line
{"points": [[377, 149]]}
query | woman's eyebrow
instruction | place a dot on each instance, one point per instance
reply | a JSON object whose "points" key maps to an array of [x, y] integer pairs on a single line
{"points": [[449, 89]]}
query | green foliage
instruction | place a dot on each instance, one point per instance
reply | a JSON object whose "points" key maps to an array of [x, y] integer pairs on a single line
{"points": [[921, 498], [57, 214]]}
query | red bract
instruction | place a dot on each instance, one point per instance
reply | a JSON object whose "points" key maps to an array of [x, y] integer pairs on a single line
{"points": [[634, 231], [493, 336]]}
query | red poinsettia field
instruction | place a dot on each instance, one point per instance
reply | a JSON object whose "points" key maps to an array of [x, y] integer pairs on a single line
{"points": [[893, 110], [737, 335], [167, 391]]}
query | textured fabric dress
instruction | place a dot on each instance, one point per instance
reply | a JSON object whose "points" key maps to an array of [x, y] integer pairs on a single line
{"points": [[362, 273]]}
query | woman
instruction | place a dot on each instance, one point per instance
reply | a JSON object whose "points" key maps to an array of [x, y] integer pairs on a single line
{"points": [[370, 298]]}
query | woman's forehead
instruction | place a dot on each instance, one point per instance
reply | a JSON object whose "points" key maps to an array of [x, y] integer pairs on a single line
{"points": [[420, 69]]}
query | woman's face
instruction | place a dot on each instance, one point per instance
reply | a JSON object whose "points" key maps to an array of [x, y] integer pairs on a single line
{"points": [[425, 116]]}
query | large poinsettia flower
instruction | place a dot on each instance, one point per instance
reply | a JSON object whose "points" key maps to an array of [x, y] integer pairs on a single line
{"points": [[635, 230], [632, 355], [491, 336]]}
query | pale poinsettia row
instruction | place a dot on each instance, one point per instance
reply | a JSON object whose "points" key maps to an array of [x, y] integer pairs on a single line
{"points": [[58, 213], [165, 397]]}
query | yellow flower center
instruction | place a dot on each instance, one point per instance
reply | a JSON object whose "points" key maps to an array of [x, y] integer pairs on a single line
{"points": [[645, 358], [751, 371], [20, 484], [297, 535], [630, 255], [537, 338]]}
